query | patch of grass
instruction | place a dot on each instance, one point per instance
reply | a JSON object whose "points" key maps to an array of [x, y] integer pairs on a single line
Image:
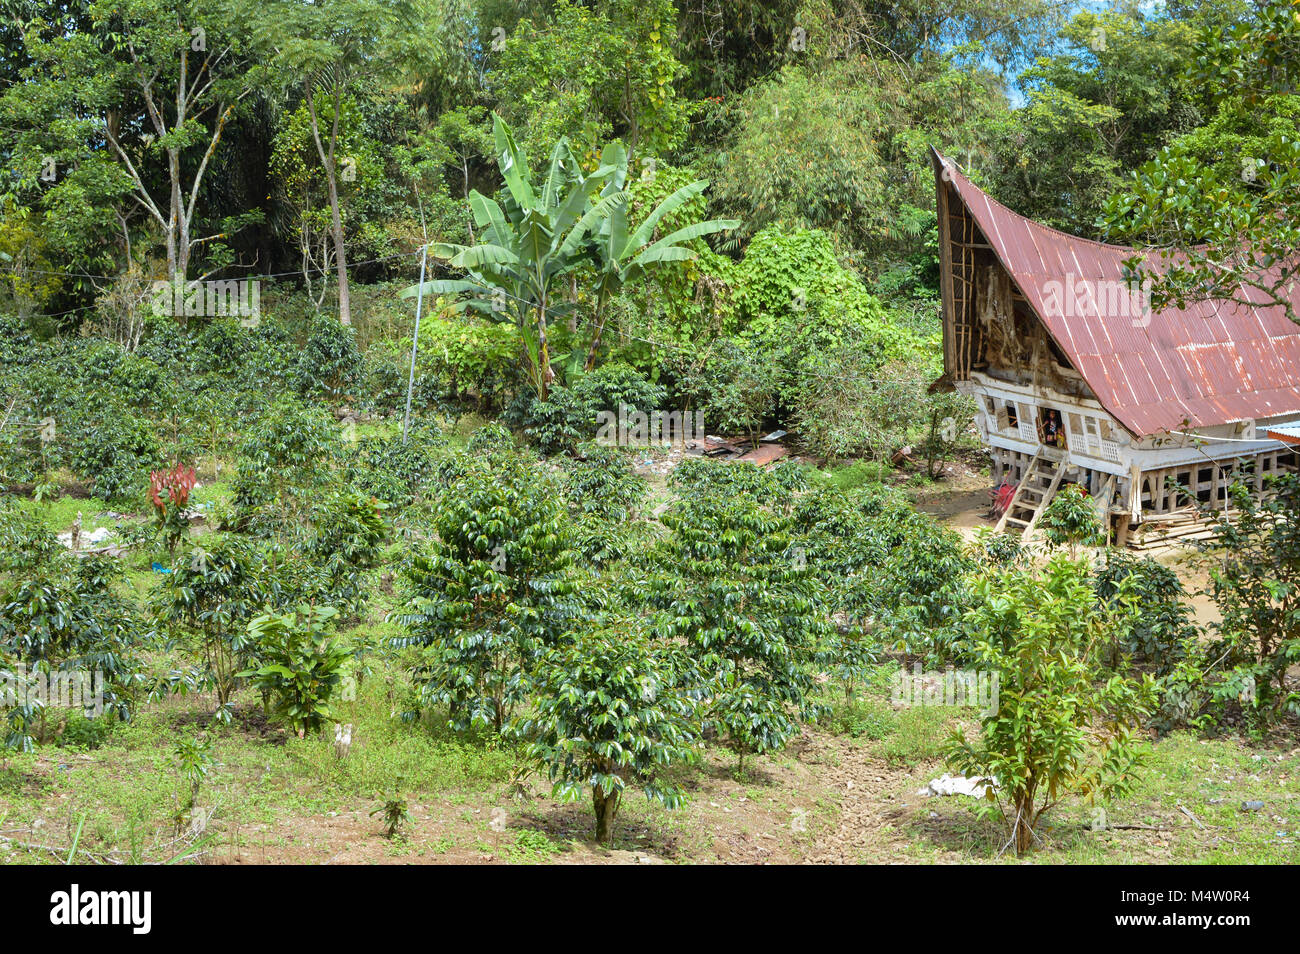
{"points": [[466, 425], [423, 756], [129, 792], [383, 428], [1208, 777], [918, 736], [860, 473], [532, 848], [212, 492], [863, 717], [60, 514]]}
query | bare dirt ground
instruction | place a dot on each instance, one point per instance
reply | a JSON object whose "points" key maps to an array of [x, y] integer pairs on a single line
{"points": [[825, 800], [960, 498]]}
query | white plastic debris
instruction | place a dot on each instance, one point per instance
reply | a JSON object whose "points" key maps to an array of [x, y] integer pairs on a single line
{"points": [[342, 739], [80, 539], [946, 784]]}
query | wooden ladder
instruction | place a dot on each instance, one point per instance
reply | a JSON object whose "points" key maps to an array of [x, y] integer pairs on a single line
{"points": [[1042, 477]]}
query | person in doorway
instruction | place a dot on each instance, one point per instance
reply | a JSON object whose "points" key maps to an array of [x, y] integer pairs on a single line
{"points": [[1053, 432]]}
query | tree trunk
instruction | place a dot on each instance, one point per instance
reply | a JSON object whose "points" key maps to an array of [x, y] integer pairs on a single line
{"points": [[1024, 831], [595, 345], [599, 330], [606, 807], [340, 259], [543, 353], [336, 218], [180, 236]]}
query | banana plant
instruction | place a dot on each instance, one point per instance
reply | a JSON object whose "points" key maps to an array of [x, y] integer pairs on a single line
{"points": [[527, 242], [623, 257]]}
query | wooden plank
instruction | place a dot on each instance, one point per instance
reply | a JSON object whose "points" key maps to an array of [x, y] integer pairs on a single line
{"points": [[1135, 493], [945, 268], [1056, 482], [1104, 498]]}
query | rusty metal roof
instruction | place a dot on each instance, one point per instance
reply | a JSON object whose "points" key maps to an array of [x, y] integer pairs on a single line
{"points": [[1215, 362]]}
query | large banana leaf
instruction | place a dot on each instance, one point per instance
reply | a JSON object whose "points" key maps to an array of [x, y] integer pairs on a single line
{"points": [[488, 215], [558, 171], [529, 237], [687, 233], [513, 164], [442, 286], [614, 158], [608, 205], [668, 205], [477, 256]]}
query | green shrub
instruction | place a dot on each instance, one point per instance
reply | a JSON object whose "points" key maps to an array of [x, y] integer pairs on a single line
{"points": [[298, 666], [329, 364], [492, 592], [738, 387], [1257, 590], [1056, 730], [59, 614], [923, 590], [223, 344], [615, 385], [382, 382], [25, 541], [395, 472], [491, 439], [559, 423], [1162, 630], [349, 527], [115, 450], [600, 481], [467, 355], [348, 534], [286, 455], [212, 593], [1071, 519], [611, 712], [997, 549], [729, 581], [700, 477]]}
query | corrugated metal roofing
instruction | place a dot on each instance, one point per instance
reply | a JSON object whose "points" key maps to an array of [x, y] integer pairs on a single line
{"points": [[1214, 362], [1285, 432]]}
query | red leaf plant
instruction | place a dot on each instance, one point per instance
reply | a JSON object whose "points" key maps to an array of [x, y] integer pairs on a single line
{"points": [[176, 483]]}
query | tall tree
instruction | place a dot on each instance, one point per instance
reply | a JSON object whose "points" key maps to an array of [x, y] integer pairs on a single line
{"points": [[1222, 203], [150, 84], [527, 242], [624, 255], [593, 72], [1111, 96], [842, 147], [322, 48]]}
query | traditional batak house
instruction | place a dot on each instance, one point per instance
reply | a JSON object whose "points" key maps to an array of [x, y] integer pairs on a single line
{"points": [[1076, 380]]}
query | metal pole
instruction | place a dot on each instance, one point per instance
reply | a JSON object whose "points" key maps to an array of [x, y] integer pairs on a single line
{"points": [[415, 342]]}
